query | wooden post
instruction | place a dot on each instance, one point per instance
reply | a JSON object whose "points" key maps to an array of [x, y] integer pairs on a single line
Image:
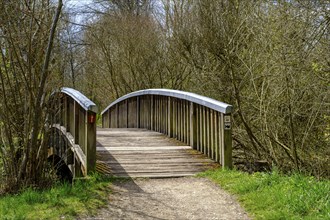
{"points": [[227, 141], [90, 146], [193, 126]]}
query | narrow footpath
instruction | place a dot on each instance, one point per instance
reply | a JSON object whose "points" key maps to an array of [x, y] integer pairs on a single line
{"points": [[171, 198]]}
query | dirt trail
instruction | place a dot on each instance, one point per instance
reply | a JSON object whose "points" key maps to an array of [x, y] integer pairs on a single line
{"points": [[173, 198]]}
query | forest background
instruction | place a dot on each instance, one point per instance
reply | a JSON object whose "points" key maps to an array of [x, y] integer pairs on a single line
{"points": [[269, 59]]}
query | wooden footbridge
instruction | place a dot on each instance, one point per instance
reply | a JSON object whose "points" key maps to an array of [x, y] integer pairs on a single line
{"points": [[148, 133]]}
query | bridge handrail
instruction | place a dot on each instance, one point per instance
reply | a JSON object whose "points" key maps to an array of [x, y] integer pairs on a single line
{"points": [[74, 130], [199, 121], [192, 97], [83, 101]]}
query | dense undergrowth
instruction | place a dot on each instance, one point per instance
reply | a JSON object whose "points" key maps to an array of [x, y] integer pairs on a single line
{"points": [[63, 200], [276, 196]]}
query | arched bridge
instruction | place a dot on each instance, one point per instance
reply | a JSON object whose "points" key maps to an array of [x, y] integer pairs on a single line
{"points": [[148, 133]]}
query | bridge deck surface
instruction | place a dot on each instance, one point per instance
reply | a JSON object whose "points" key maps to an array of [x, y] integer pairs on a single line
{"points": [[132, 152]]}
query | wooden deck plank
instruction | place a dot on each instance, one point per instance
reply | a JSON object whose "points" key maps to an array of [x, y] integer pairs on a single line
{"points": [[143, 153]]}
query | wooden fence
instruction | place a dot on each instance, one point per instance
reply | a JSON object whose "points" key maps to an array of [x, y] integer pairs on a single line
{"points": [[201, 122], [73, 135]]}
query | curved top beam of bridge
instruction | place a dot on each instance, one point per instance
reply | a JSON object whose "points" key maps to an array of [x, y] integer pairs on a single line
{"points": [[81, 99], [198, 99]]}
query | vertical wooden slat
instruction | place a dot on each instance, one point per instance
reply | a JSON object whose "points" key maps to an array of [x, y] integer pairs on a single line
{"points": [[144, 120], [187, 122], [216, 137], [142, 112], [137, 112], [109, 118], [170, 117], [159, 113], [75, 131], [148, 112], [81, 128], [197, 126], [185, 137], [175, 122], [181, 120], [204, 131], [65, 113], [193, 126], [156, 113], [221, 140], [208, 132], [212, 142], [126, 115], [200, 113], [117, 115], [164, 115], [71, 117], [152, 113]]}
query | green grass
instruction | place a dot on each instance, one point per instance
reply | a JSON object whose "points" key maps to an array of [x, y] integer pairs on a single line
{"points": [[276, 196], [62, 201]]}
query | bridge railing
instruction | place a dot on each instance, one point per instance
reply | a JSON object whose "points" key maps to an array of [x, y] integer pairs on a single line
{"points": [[199, 121], [73, 135]]}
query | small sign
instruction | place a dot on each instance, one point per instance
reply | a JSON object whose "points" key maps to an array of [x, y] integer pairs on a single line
{"points": [[227, 118], [227, 125]]}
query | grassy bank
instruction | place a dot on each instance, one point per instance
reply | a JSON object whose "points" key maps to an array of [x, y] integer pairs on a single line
{"points": [[62, 201], [276, 196]]}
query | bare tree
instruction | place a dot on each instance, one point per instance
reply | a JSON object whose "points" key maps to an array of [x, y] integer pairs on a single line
{"points": [[268, 58], [27, 34]]}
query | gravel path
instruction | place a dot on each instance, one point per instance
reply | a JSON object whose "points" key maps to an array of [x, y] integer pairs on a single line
{"points": [[173, 198]]}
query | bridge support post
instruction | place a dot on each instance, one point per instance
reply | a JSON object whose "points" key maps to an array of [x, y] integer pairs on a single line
{"points": [[90, 135], [227, 141]]}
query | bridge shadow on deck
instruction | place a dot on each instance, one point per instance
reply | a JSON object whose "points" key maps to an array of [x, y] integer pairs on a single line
{"points": [[132, 152]]}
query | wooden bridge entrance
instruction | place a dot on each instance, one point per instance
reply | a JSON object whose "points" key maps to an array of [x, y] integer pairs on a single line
{"points": [[132, 152], [148, 133]]}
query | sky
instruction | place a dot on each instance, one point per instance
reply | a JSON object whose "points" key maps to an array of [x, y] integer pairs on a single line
{"points": [[78, 9], [78, 2]]}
